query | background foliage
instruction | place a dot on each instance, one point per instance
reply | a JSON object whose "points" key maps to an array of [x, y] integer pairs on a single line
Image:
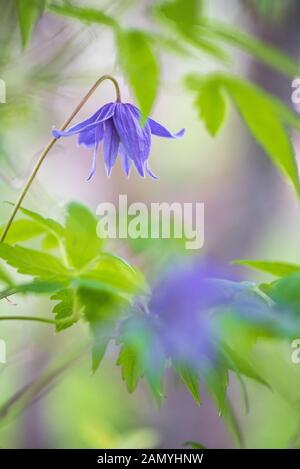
{"points": [[61, 261]]}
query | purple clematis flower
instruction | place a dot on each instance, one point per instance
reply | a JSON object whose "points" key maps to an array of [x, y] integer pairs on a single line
{"points": [[119, 126], [190, 302]]}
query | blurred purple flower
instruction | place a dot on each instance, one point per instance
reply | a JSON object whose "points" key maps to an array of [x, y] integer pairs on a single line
{"points": [[180, 302], [119, 126], [189, 303]]}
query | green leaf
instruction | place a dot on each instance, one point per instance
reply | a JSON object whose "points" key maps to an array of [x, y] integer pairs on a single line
{"points": [[116, 273], [231, 365], [193, 36], [190, 379], [64, 309], [257, 110], [82, 242], [132, 365], [86, 282], [194, 445], [50, 226], [216, 383], [243, 365], [171, 44], [140, 66], [35, 263], [101, 310], [264, 52], [49, 242], [99, 306], [285, 293], [5, 277], [89, 15], [184, 16], [280, 269], [265, 117], [28, 12], [22, 230], [141, 355], [102, 334], [232, 423], [182, 11], [36, 286], [211, 105]]}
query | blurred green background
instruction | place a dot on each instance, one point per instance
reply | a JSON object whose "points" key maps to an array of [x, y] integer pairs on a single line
{"points": [[250, 212]]}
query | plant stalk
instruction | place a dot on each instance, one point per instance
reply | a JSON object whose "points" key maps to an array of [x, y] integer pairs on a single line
{"points": [[51, 144], [27, 318]]}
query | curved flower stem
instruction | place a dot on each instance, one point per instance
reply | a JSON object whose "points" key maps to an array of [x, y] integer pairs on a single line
{"points": [[52, 143], [27, 318]]}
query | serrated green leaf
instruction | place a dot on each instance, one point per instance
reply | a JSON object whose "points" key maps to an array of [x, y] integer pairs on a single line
{"points": [[102, 334], [132, 366], [280, 269], [5, 277], [89, 15], [100, 305], [101, 309], [35, 263], [49, 225], [82, 242], [190, 379], [64, 309], [216, 383], [243, 365], [36, 287], [211, 105], [140, 66], [141, 355], [22, 230], [28, 12], [231, 364], [285, 293]]}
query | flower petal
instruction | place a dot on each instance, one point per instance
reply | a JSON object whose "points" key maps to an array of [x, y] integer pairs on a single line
{"points": [[135, 138], [96, 147], [161, 131], [149, 171], [110, 145], [87, 138], [105, 112], [126, 161], [155, 127]]}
